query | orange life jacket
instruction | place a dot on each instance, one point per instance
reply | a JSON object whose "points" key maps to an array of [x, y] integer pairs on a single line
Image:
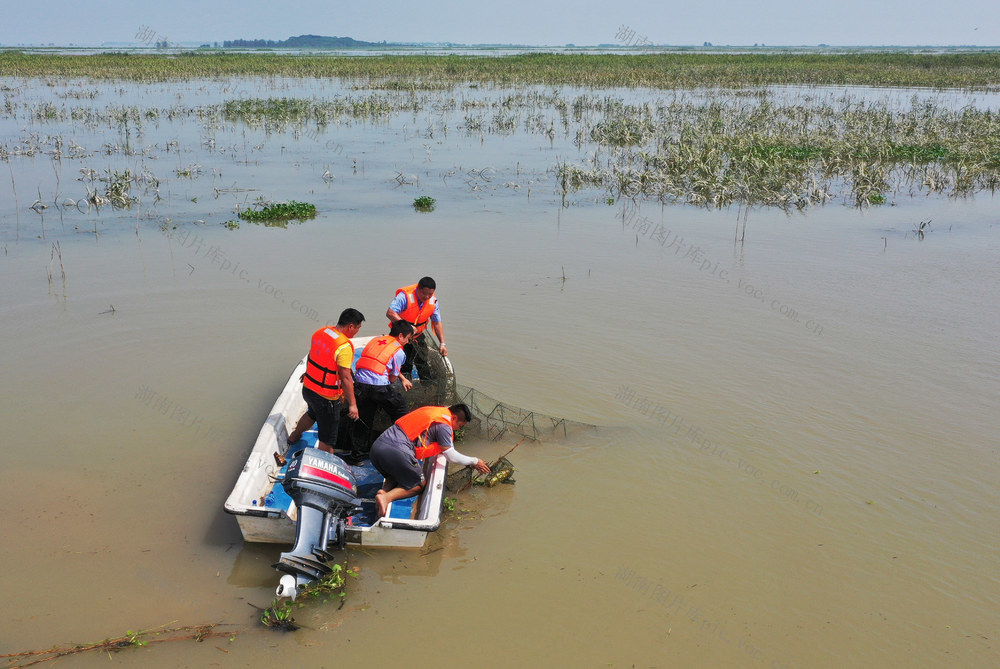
{"points": [[416, 423], [376, 355], [413, 313], [321, 364]]}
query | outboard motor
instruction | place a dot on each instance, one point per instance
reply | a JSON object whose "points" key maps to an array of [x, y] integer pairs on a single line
{"points": [[325, 493]]}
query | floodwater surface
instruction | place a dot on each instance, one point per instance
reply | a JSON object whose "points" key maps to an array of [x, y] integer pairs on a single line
{"points": [[796, 457]]}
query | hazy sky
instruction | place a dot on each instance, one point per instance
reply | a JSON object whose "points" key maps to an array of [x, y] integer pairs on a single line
{"points": [[541, 22]]}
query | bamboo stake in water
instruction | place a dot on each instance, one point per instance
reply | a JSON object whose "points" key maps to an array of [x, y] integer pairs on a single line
{"points": [[17, 207]]}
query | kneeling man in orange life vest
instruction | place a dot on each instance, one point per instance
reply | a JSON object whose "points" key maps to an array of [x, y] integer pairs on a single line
{"points": [[422, 433]]}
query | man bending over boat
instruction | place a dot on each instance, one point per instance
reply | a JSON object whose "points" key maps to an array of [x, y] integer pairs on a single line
{"points": [[378, 383], [422, 433], [328, 381]]}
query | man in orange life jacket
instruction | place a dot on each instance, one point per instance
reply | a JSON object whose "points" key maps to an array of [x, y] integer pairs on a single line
{"points": [[328, 381], [377, 383], [417, 305], [420, 434]]}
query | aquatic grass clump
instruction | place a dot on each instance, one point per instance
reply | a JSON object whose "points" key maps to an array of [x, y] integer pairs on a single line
{"points": [[282, 111], [409, 85], [117, 191], [789, 156], [572, 177], [279, 214], [279, 109], [424, 203], [622, 132]]}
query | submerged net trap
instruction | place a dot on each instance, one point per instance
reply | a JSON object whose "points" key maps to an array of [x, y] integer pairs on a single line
{"points": [[491, 417], [494, 419]]}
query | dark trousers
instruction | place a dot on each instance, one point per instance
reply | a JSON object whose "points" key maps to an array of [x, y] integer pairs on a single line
{"points": [[326, 413], [370, 398]]}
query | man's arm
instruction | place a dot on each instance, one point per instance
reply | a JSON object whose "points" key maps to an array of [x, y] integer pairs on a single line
{"points": [[452, 455], [395, 363], [439, 333], [407, 384], [444, 435], [396, 307], [347, 383]]}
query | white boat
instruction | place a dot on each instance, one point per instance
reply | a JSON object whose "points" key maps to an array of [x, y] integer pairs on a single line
{"points": [[266, 513]]}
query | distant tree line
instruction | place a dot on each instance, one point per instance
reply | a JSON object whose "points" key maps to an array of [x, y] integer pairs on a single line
{"points": [[300, 42]]}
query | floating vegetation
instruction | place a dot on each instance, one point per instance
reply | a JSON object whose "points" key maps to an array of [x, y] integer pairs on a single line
{"points": [[278, 214], [129, 640], [279, 614], [424, 203]]}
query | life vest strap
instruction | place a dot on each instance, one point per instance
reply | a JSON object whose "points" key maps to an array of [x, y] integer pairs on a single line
{"points": [[321, 368], [326, 373]]}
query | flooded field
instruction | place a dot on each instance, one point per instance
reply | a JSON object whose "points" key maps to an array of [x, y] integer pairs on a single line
{"points": [[796, 459]]}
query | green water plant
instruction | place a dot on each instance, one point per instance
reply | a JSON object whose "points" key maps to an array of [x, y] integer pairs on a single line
{"points": [[424, 203], [279, 616], [278, 214]]}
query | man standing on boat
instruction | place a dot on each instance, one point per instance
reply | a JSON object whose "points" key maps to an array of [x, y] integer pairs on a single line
{"points": [[327, 382], [378, 383], [422, 433], [417, 305]]}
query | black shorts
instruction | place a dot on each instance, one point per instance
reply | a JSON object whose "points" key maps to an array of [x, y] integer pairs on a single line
{"points": [[326, 412], [396, 462]]}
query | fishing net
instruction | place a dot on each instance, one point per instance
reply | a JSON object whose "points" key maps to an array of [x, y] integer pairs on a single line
{"points": [[436, 377], [494, 419], [491, 418], [501, 471]]}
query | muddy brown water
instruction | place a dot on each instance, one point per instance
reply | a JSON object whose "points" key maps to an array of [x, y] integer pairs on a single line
{"points": [[795, 465]]}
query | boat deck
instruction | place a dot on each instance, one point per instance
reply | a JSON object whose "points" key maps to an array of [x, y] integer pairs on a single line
{"points": [[368, 479]]}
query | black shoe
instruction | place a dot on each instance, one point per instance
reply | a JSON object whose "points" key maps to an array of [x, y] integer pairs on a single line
{"points": [[354, 459]]}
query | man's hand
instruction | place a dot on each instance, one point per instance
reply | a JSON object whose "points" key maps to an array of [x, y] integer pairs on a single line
{"points": [[352, 412], [444, 349], [482, 467], [407, 384]]}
